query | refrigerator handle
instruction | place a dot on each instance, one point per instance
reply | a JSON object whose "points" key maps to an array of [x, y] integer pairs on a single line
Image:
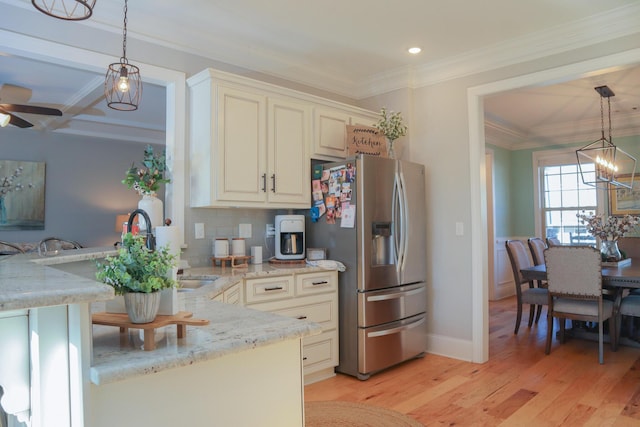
{"points": [[394, 220], [402, 203]]}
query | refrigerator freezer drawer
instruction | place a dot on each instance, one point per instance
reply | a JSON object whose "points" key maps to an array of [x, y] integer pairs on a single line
{"points": [[388, 305], [380, 347]]}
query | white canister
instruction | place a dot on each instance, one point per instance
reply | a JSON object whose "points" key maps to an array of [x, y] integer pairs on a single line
{"points": [[256, 254], [221, 247], [237, 246]]}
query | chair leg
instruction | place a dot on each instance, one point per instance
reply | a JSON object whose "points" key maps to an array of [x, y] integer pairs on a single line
{"points": [[547, 349], [518, 319], [562, 321], [600, 343], [532, 311], [539, 311], [613, 332]]}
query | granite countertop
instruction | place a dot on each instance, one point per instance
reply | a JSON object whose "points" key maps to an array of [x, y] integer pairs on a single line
{"points": [[231, 328], [26, 281], [31, 281]]}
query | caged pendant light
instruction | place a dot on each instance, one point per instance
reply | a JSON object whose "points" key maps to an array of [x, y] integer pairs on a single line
{"points": [[69, 10], [122, 84], [601, 163]]}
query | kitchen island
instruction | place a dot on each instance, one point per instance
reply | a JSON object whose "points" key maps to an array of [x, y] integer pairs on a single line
{"points": [[208, 377]]}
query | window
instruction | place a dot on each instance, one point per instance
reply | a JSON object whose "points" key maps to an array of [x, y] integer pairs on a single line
{"points": [[563, 196]]}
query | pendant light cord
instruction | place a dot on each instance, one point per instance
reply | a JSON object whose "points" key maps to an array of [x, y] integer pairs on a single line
{"points": [[124, 36]]}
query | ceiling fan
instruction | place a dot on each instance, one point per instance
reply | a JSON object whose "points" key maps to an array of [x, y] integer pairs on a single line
{"points": [[7, 116]]}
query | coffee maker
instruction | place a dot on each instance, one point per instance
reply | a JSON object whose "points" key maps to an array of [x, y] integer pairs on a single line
{"points": [[290, 243]]}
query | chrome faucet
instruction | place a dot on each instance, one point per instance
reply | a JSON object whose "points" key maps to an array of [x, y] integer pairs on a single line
{"points": [[151, 241]]}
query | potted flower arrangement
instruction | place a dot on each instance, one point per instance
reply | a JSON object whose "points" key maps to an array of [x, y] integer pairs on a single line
{"points": [[146, 180], [139, 274], [609, 230], [390, 124]]}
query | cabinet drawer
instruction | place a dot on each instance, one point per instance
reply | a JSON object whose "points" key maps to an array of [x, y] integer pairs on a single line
{"points": [[323, 311], [320, 351], [268, 289], [315, 283]]}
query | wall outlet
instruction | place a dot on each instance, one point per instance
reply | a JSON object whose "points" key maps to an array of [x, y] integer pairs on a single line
{"points": [[199, 230], [244, 231], [271, 230]]}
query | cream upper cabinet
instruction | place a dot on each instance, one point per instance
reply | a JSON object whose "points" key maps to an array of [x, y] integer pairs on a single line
{"points": [[330, 131], [248, 145], [288, 159]]}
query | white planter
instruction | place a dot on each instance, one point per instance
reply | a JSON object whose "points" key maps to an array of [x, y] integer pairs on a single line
{"points": [[142, 307]]}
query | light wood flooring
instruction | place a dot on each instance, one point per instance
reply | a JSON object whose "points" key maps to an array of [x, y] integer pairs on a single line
{"points": [[519, 386]]}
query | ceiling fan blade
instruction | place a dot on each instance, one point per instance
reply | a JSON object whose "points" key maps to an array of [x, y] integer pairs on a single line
{"points": [[31, 109], [17, 121]]}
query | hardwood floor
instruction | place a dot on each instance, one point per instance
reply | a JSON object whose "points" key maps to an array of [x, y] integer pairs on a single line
{"points": [[519, 386]]}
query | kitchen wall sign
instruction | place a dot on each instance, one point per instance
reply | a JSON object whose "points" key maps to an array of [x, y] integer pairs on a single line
{"points": [[366, 140], [21, 195]]}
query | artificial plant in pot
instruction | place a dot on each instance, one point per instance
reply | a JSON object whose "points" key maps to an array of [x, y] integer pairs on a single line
{"points": [[139, 274]]}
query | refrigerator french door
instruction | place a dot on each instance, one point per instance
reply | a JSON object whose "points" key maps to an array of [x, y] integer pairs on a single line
{"points": [[382, 292]]}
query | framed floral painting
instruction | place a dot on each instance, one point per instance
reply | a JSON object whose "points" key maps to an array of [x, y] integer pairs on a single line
{"points": [[21, 195]]}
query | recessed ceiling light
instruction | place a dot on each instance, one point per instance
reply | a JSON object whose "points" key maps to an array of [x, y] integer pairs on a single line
{"points": [[414, 50]]}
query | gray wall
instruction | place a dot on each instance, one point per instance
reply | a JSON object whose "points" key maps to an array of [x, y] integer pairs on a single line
{"points": [[83, 191]]}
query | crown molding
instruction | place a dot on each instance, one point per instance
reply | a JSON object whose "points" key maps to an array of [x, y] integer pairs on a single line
{"points": [[614, 24]]}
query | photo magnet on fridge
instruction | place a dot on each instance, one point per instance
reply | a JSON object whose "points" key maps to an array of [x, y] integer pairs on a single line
{"points": [[317, 171]]}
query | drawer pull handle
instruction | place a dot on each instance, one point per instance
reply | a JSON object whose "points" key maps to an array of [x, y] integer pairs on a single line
{"points": [[324, 282], [301, 317], [275, 288], [264, 182], [304, 358]]}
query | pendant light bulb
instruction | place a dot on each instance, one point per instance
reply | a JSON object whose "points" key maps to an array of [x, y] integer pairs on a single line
{"points": [[123, 82]]}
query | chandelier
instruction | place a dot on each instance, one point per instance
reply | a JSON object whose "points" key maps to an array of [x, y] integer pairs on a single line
{"points": [[69, 10], [122, 84], [601, 163]]}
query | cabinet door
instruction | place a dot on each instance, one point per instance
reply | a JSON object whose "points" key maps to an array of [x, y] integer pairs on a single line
{"points": [[330, 132], [288, 142], [241, 146]]}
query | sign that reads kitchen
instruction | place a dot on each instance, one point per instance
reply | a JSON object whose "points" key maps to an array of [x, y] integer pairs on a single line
{"points": [[366, 140]]}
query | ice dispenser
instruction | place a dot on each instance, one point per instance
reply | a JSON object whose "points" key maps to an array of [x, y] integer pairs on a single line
{"points": [[290, 243], [382, 247]]}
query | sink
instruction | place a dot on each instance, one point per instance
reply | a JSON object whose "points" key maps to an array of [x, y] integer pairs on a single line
{"points": [[186, 285]]}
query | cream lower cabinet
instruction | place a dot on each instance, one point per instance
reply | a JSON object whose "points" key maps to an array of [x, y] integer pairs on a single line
{"points": [[232, 295], [248, 146], [308, 296]]}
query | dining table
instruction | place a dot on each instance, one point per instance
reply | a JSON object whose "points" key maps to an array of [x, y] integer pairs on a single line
{"points": [[615, 280]]}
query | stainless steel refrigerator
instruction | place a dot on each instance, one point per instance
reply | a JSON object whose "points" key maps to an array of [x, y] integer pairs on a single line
{"points": [[382, 295]]}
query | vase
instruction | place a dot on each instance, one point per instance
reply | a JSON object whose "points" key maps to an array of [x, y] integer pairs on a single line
{"points": [[142, 307], [3, 211], [609, 250], [154, 208], [390, 151]]}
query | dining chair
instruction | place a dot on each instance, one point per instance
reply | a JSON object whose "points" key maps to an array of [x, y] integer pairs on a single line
{"points": [[8, 248], [553, 241], [537, 247], [574, 275], [52, 245], [630, 309], [534, 296]]}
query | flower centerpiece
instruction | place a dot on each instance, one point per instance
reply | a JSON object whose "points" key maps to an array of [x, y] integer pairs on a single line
{"points": [[146, 180], [609, 230], [390, 124], [138, 273]]}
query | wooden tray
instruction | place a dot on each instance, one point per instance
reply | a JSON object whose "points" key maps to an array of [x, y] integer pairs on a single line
{"points": [[287, 261], [237, 261], [121, 320]]}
